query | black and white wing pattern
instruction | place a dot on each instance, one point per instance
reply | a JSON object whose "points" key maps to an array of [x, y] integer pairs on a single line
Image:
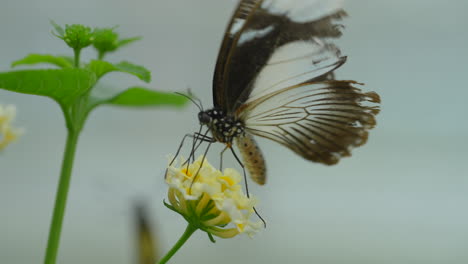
{"points": [[321, 121], [275, 74], [272, 44]]}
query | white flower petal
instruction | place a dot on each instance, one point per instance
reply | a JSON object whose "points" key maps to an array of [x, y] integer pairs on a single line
{"points": [[8, 133], [223, 189]]}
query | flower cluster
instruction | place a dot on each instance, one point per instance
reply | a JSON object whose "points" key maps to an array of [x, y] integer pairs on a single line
{"points": [[8, 133], [78, 36], [210, 199]]}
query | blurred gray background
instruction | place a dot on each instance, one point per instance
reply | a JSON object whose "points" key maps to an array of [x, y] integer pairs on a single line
{"points": [[402, 198]]}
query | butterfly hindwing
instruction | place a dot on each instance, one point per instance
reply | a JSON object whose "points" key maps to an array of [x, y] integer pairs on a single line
{"points": [[321, 121]]}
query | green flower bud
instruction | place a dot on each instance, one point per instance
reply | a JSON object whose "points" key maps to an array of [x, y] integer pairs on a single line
{"points": [[78, 36], [105, 40]]}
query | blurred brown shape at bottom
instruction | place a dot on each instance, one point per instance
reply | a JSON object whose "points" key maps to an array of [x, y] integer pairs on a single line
{"points": [[146, 245]]}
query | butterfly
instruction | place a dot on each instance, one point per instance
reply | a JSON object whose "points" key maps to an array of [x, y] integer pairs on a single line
{"points": [[274, 79]]}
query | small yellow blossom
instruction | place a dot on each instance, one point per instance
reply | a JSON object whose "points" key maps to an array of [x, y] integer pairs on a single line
{"points": [[212, 200], [8, 133]]}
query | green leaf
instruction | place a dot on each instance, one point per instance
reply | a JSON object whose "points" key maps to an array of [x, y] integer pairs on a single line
{"points": [[62, 85], [139, 96], [127, 41], [210, 236], [170, 207], [100, 68], [134, 69], [70, 59], [31, 59], [59, 29]]}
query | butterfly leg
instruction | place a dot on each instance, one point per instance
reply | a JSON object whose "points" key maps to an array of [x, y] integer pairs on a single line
{"points": [[221, 158], [201, 165], [246, 185], [194, 148], [177, 152], [180, 147], [198, 138]]}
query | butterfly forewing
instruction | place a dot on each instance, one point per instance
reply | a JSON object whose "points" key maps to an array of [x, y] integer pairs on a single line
{"points": [[240, 19], [286, 40]]}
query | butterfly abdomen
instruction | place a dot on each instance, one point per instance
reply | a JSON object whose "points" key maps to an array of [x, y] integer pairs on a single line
{"points": [[252, 157]]}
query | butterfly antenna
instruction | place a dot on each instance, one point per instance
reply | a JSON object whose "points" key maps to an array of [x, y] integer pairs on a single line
{"points": [[200, 102], [191, 98], [189, 92]]}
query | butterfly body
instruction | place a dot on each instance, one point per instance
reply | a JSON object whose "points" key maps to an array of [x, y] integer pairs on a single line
{"points": [[252, 157]]}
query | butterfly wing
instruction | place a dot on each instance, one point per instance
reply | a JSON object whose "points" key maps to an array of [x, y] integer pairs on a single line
{"points": [[272, 44], [321, 121]]}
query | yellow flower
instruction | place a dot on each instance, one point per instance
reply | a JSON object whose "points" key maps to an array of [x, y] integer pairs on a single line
{"points": [[211, 200], [8, 133]]}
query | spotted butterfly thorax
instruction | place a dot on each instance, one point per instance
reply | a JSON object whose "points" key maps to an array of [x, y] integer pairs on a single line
{"points": [[223, 127], [274, 78]]}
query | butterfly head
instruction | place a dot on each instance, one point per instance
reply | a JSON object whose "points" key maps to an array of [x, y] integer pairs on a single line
{"points": [[212, 116], [204, 117], [223, 127]]}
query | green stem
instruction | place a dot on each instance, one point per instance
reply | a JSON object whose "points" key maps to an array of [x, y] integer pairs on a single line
{"points": [[77, 57], [188, 232], [101, 55], [61, 197]]}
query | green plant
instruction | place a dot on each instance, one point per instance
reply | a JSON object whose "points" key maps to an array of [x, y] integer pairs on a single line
{"points": [[73, 85]]}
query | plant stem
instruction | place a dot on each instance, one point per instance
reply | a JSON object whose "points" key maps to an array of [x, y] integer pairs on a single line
{"points": [[61, 197], [77, 57], [188, 232], [101, 55]]}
